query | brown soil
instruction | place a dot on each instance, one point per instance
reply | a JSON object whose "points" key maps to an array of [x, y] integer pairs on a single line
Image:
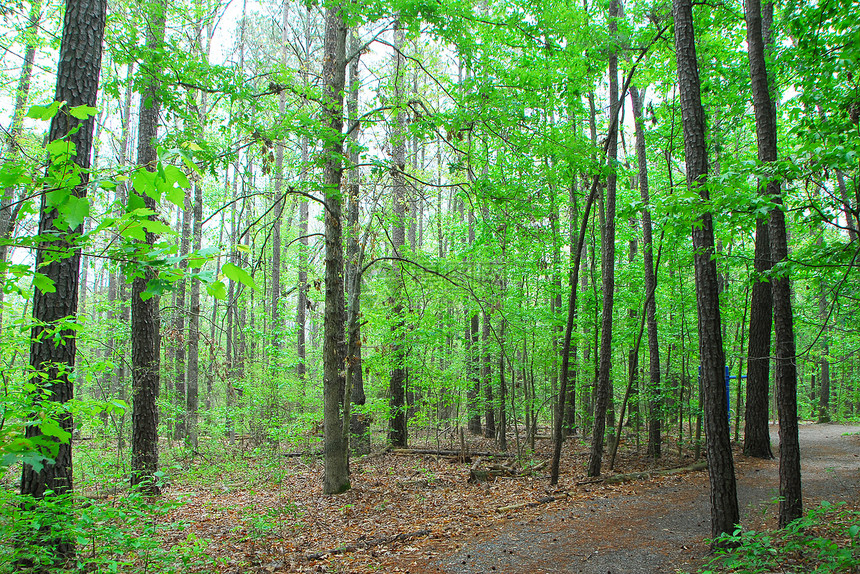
{"points": [[661, 526], [419, 514]]}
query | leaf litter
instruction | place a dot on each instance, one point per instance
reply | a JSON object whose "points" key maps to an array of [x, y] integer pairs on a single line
{"points": [[267, 513]]}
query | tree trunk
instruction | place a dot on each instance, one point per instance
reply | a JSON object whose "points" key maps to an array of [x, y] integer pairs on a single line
{"points": [[756, 431], [177, 337], [397, 432], [607, 265], [336, 477], [791, 504], [360, 422], [53, 356], [724, 500], [486, 375], [145, 341], [824, 361], [279, 199], [655, 392]]}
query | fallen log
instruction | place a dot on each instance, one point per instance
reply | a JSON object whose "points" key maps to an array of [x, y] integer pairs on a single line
{"points": [[444, 452], [302, 454], [617, 478], [368, 543], [533, 503]]}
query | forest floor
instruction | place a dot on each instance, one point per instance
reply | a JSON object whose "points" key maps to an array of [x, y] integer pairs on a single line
{"points": [[419, 513]]}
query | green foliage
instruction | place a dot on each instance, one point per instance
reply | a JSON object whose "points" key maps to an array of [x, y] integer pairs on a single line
{"points": [[119, 534], [827, 539]]}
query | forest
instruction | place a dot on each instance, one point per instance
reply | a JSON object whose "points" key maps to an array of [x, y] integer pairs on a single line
{"points": [[317, 249]]}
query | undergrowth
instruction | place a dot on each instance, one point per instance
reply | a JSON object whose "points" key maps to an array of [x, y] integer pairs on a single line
{"points": [[826, 540]]}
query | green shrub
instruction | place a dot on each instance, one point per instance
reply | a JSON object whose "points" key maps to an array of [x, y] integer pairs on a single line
{"points": [[826, 540]]}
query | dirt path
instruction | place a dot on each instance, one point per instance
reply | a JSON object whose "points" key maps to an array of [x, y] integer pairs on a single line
{"points": [[660, 526]]}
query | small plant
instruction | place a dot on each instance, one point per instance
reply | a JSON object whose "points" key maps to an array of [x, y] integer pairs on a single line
{"points": [[826, 540]]}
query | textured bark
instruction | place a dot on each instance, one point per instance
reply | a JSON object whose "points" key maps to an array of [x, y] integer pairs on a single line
{"points": [[275, 328], [397, 430], [607, 265], [359, 422], [302, 303], [193, 380], [790, 499], [486, 377], [145, 341], [756, 431], [824, 362], [724, 500], [52, 356], [177, 336], [503, 416], [655, 393], [473, 394], [336, 477]]}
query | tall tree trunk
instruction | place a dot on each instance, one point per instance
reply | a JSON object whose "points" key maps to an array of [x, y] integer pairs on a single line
{"points": [[486, 375], [53, 356], [607, 264], [397, 431], [145, 341], [724, 499], [655, 393], [790, 501], [360, 422], [177, 337], [824, 361], [193, 380], [756, 426], [336, 477], [756, 431], [193, 376], [279, 200], [302, 303]]}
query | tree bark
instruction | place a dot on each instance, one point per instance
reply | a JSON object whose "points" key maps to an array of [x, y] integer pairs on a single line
{"points": [[145, 342], [756, 430], [360, 422], [790, 501], [607, 264], [177, 337], [655, 392], [52, 356], [486, 375], [724, 500], [397, 431], [336, 477]]}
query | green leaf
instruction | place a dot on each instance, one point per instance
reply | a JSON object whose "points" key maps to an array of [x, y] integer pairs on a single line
{"points": [[75, 210], [60, 149], [50, 427], [83, 112], [175, 195], [43, 283], [217, 290], [236, 273], [43, 112], [156, 226], [144, 184]]}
